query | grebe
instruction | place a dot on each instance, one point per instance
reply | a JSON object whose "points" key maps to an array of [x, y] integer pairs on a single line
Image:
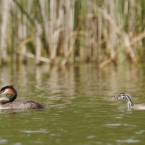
{"points": [[11, 94], [130, 103]]}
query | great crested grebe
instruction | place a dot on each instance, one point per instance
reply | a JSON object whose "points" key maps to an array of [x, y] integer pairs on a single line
{"points": [[11, 94], [130, 104]]}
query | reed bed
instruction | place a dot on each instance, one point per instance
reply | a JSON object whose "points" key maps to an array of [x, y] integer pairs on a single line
{"points": [[69, 31]]}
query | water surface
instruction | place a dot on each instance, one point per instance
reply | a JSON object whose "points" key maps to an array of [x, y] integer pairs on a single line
{"points": [[79, 108]]}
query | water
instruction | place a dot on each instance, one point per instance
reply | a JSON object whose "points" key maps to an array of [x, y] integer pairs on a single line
{"points": [[80, 111]]}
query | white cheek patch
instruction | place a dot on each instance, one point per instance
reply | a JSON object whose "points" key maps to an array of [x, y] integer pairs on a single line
{"points": [[5, 91], [4, 98]]}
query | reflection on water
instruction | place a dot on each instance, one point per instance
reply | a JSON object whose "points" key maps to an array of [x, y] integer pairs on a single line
{"points": [[71, 80], [80, 110]]}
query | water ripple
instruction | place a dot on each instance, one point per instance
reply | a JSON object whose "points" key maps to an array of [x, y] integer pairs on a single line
{"points": [[140, 132], [2, 141], [128, 141], [118, 124], [91, 136], [35, 131], [112, 125]]}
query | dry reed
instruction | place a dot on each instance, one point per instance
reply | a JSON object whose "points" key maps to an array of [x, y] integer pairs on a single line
{"points": [[69, 31]]}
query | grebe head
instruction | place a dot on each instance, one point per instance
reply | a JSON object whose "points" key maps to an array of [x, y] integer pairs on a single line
{"points": [[124, 96], [10, 92]]}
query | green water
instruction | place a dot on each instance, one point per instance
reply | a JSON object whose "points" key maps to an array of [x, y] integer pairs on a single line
{"points": [[79, 108]]}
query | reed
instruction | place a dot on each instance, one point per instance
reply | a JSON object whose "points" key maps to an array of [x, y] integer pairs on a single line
{"points": [[69, 31]]}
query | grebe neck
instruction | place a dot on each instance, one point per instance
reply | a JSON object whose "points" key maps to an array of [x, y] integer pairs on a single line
{"points": [[129, 101], [12, 96]]}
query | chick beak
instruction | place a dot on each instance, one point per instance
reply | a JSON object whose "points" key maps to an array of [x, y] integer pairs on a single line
{"points": [[115, 98]]}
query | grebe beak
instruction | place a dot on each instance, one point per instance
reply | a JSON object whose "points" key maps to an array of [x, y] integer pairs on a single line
{"points": [[115, 98], [1, 91]]}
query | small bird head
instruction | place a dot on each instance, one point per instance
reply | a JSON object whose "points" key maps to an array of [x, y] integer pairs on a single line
{"points": [[122, 96]]}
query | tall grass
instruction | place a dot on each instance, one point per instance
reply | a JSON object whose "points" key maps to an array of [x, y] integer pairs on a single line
{"points": [[69, 31]]}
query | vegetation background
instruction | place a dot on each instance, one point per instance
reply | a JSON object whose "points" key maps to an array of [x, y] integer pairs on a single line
{"points": [[69, 31]]}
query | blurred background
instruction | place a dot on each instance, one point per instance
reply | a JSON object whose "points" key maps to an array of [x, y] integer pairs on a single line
{"points": [[69, 31], [73, 55]]}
